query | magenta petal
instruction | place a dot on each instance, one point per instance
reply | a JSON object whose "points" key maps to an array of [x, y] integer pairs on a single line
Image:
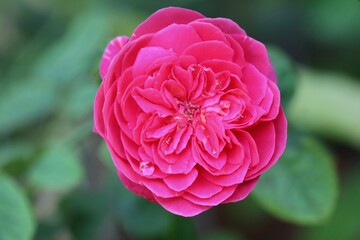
{"points": [[163, 18], [280, 124], [158, 188], [176, 37], [208, 31], [180, 182], [150, 101], [226, 25], [213, 200], [160, 131], [174, 163], [236, 177], [123, 166], [255, 82], [203, 188], [256, 54], [242, 191], [99, 126], [210, 50], [147, 56], [170, 144], [264, 137], [273, 109], [136, 188], [181, 206], [185, 138], [110, 52]]}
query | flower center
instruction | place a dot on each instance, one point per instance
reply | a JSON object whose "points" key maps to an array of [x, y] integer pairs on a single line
{"points": [[190, 110]]}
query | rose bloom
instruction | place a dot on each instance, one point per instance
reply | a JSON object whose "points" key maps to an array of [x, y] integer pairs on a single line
{"points": [[190, 110]]}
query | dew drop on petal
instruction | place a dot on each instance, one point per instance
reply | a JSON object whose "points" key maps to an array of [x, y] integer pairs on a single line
{"points": [[213, 151], [224, 104], [168, 140], [146, 168]]}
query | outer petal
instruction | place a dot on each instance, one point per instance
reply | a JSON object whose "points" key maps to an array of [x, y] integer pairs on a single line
{"points": [[242, 191], [280, 124], [163, 18], [181, 206], [136, 188], [210, 50], [180, 182], [256, 54], [176, 37], [99, 126], [226, 25], [110, 52]]}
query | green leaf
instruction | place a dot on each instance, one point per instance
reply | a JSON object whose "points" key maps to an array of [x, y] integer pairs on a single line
{"points": [[302, 187], [16, 219], [74, 54], [14, 150], [286, 73], [345, 222], [24, 103], [140, 217], [58, 169], [80, 101]]}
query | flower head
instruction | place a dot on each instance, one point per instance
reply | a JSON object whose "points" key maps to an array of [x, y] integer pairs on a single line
{"points": [[190, 110]]}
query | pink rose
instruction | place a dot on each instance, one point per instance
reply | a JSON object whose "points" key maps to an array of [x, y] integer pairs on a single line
{"points": [[190, 110]]}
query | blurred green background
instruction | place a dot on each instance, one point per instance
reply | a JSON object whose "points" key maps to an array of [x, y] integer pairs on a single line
{"points": [[57, 180]]}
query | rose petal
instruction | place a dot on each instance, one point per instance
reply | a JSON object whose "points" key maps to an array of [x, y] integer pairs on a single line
{"points": [[226, 25], [163, 18], [280, 124], [158, 188], [208, 31], [175, 37], [147, 56], [181, 206], [136, 188], [180, 182], [99, 126], [184, 140], [255, 53], [236, 177], [110, 52], [272, 108], [242, 190], [210, 50], [264, 137], [150, 101], [174, 163], [218, 66], [256, 83], [213, 200], [202, 188]]}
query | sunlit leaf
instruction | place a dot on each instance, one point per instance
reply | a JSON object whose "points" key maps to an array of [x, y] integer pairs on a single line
{"points": [[328, 104], [16, 219], [302, 186]]}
